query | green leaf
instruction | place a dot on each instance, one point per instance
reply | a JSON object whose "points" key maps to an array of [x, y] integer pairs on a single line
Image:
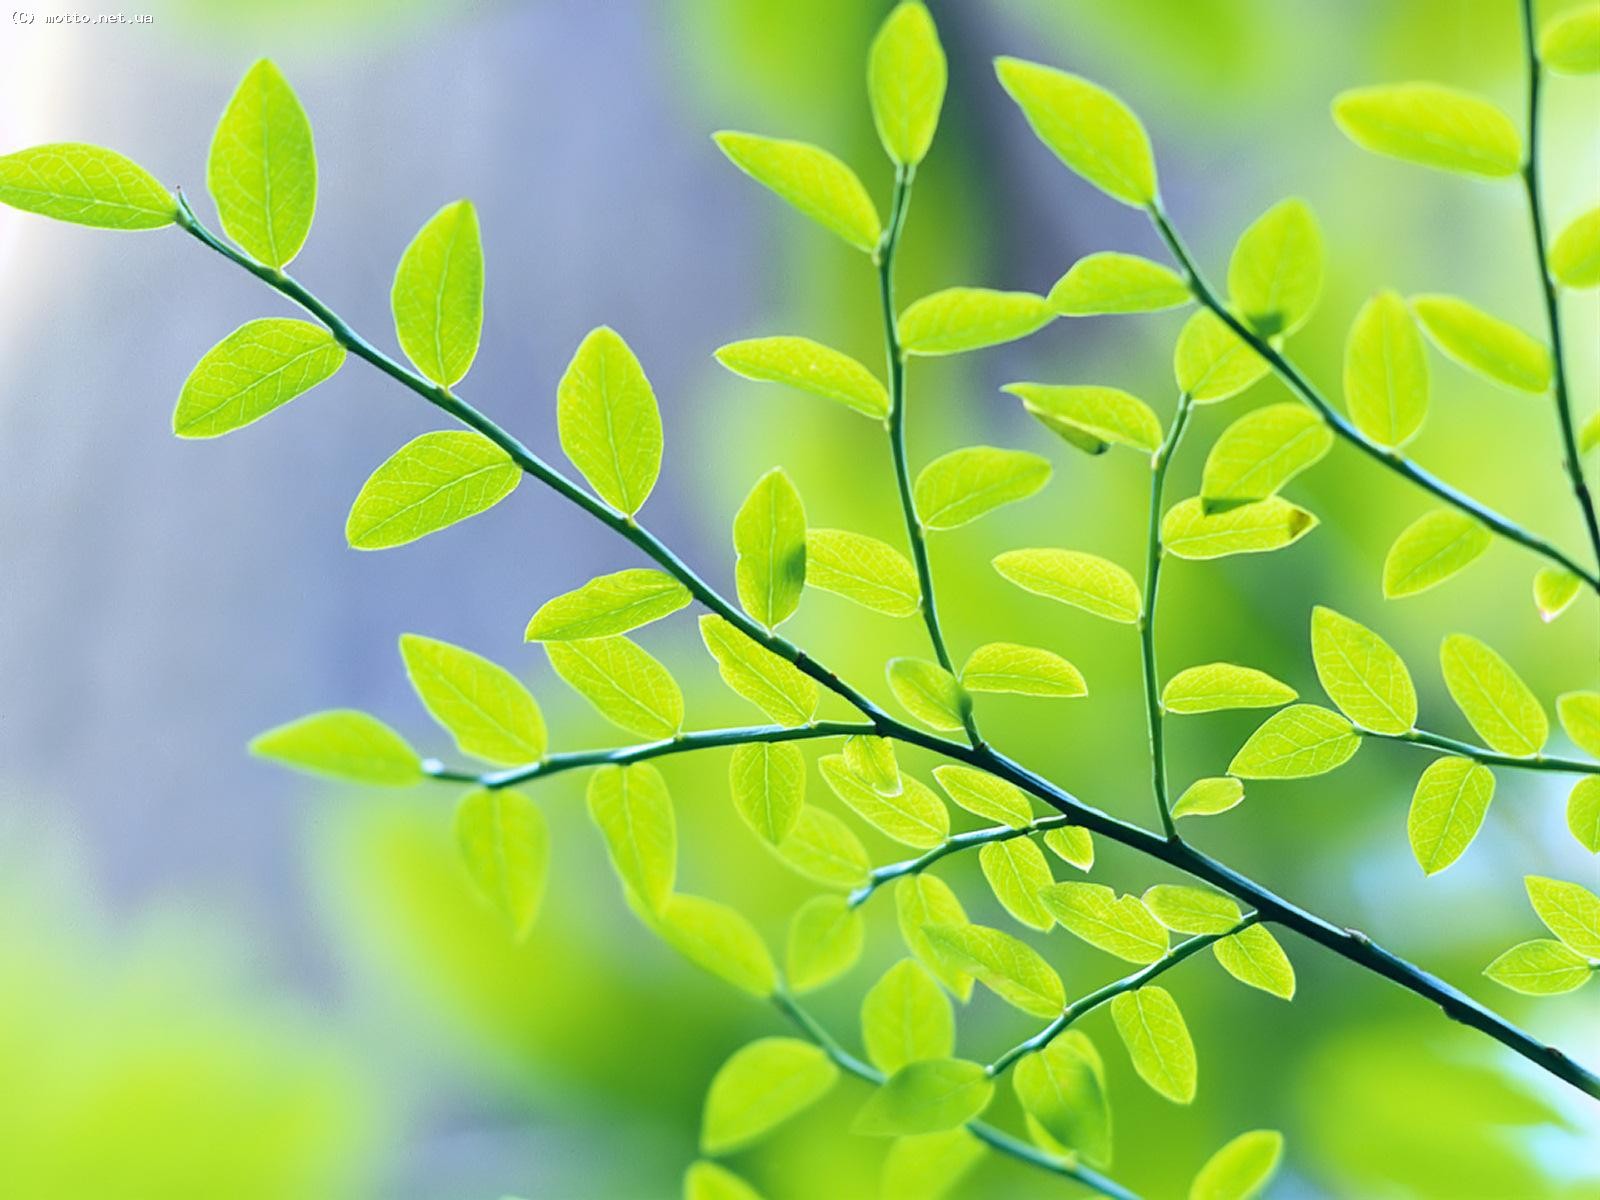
{"points": [[437, 296], [965, 484], [871, 760], [1569, 911], [1492, 696], [342, 744], [929, 693], [1109, 282], [1260, 452], [1583, 813], [1017, 872], [1102, 415], [926, 1097], [872, 573], [822, 848], [1072, 844], [905, 1018], [479, 703], [718, 939], [825, 939], [505, 846], [1430, 550], [812, 180], [1275, 275], [1153, 1030], [1192, 910], [1188, 531], [1023, 670], [1554, 590], [1543, 967], [608, 604], [262, 171], [1361, 673], [1589, 434], [922, 900], [1575, 256], [768, 781], [769, 538], [1084, 581], [774, 685], [429, 484], [1254, 957], [1087, 127], [1240, 1169], [959, 319], [1062, 1087], [707, 1181], [1211, 362], [1431, 125], [1301, 741], [609, 422], [906, 76], [811, 367], [87, 185], [759, 1088], [1007, 966], [1119, 925], [1217, 686], [914, 816], [1580, 717], [1447, 809], [1570, 43], [1386, 371], [258, 367], [632, 809], [927, 1166], [623, 682], [1483, 344], [983, 795], [1207, 797]]}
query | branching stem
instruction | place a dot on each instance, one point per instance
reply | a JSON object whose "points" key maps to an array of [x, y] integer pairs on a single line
{"points": [[1493, 758]]}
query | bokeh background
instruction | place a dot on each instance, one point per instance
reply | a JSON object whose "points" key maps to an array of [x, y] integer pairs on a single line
{"points": [[220, 979]]}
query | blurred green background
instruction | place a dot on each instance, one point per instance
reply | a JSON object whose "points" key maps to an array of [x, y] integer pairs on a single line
{"points": [[223, 981]]}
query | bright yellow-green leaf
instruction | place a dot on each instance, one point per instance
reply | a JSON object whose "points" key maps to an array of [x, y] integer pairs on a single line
{"points": [[87, 185], [481, 704], [1185, 909], [1575, 255], [983, 795], [609, 422], [437, 296], [923, 900], [1254, 957], [1119, 925], [718, 939], [965, 484], [262, 172], [1240, 1169], [1300, 741], [1211, 362], [1361, 673], [1109, 282], [1543, 967], [1484, 344], [1589, 433], [1569, 911], [1262, 451], [1275, 275], [871, 760], [1580, 717], [761, 1086], [774, 685], [812, 180], [914, 815], [1188, 531], [1084, 581], [1217, 686], [926, 1097], [1207, 797], [1007, 966], [1087, 127], [1073, 845], [872, 573], [1100, 414], [1153, 1030], [927, 1166], [1430, 550], [1024, 670], [708, 1181], [608, 604], [505, 846], [1570, 43], [768, 781], [1017, 872], [769, 538], [1447, 809], [929, 693], [1583, 813], [258, 367], [632, 809], [342, 744], [1431, 125], [906, 76], [626, 685], [822, 848], [1554, 590], [811, 367], [825, 938], [1062, 1087], [1386, 371], [905, 1018], [1492, 696], [966, 318], [429, 484]]}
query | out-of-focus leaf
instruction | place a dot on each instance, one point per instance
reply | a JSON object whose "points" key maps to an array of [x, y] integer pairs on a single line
{"points": [[708, 1181], [429, 484], [822, 848], [923, 900], [1241, 1168], [760, 1087], [812, 180], [1580, 717], [926, 1166], [905, 1018], [258, 367], [505, 846], [624, 683], [1554, 590], [633, 811], [342, 744], [1492, 696], [1570, 43], [926, 1097], [825, 938], [1447, 810], [1109, 282], [609, 422], [1484, 344], [1301, 741], [1575, 255], [1431, 549], [1431, 125], [718, 939], [1062, 1087], [1583, 813]]}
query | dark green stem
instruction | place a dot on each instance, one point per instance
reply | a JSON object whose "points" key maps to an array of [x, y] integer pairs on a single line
{"points": [[961, 841], [1493, 758]]}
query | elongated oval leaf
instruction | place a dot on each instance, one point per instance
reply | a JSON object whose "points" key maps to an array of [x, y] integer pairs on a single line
{"points": [[342, 744], [1073, 845], [1260, 452], [505, 845], [1240, 1169], [1062, 1087], [608, 604], [437, 296], [860, 568], [429, 484], [1386, 371], [1431, 549], [1217, 686], [1492, 696], [1301, 741], [774, 685], [1007, 966], [822, 848], [1100, 414], [825, 939], [984, 795], [1185, 909], [963, 485], [906, 76], [966, 318], [1109, 282], [1580, 717], [811, 367], [1119, 925], [481, 704], [262, 171], [1570, 43], [1084, 581], [1188, 531], [609, 422], [1484, 344], [1017, 873], [1211, 362], [1569, 910], [86, 185], [708, 1181], [1023, 670], [928, 1166], [812, 180], [632, 809], [926, 1097], [1431, 125], [1575, 255], [1554, 590], [1254, 957], [1544, 967], [768, 781], [1583, 813], [1275, 275], [1361, 673], [925, 900], [718, 939], [929, 693], [914, 815], [258, 367], [1158, 1042], [769, 538], [905, 1018], [760, 1087], [623, 682], [1207, 797]]}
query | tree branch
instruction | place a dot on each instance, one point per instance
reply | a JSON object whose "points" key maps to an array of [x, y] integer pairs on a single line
{"points": [[1493, 758]]}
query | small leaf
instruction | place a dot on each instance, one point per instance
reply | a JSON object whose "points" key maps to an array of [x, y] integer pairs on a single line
{"points": [[1023, 670], [825, 939], [342, 744], [1254, 957], [983, 795], [1062, 1087], [718, 939], [1275, 275], [1007, 966], [774, 685], [769, 538], [1073, 845], [914, 815], [927, 1166], [871, 760], [812, 180], [1087, 127], [708, 1181], [1575, 256], [811, 367], [965, 484], [1570, 43], [1262, 451], [1217, 686], [1554, 590], [1100, 414], [1207, 797], [1569, 911], [505, 845], [1431, 125], [1211, 362], [1492, 696], [608, 604], [1361, 673], [632, 809], [1017, 872], [429, 484], [926, 1097], [86, 185], [1188, 531], [1109, 282], [1240, 1169], [822, 848], [1583, 813], [768, 781], [1580, 717], [1543, 967], [959, 319], [1119, 925], [258, 367], [1484, 344], [1084, 581], [759, 1088], [1447, 810], [624, 683], [1153, 1030], [929, 693], [479, 703], [1589, 434], [1386, 371], [1430, 550], [1192, 910], [923, 900], [609, 422], [906, 76], [437, 297], [262, 171], [1301, 741], [872, 573], [905, 1018]]}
